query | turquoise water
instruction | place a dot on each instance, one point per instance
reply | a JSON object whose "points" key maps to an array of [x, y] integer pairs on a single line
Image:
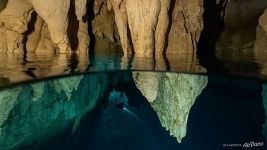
{"points": [[211, 95], [105, 102], [47, 115]]}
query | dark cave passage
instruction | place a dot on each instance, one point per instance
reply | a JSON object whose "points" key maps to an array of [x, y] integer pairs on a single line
{"points": [[213, 27]]}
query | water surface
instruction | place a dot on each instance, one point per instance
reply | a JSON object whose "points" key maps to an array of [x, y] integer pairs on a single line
{"points": [[18, 68]]}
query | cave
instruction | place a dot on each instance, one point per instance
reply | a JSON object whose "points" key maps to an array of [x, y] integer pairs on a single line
{"points": [[133, 74]]}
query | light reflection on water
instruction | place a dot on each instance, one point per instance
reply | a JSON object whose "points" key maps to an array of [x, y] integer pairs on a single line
{"points": [[17, 68]]}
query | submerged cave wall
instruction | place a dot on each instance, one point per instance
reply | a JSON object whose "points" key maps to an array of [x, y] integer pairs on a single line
{"points": [[33, 114], [264, 95], [171, 96], [37, 111]]}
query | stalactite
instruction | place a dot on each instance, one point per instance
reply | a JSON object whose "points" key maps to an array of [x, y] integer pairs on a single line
{"points": [[17, 31], [171, 96]]}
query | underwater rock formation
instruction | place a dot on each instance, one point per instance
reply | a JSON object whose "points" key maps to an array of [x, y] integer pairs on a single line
{"points": [[42, 110], [23, 20], [8, 99], [171, 96], [264, 95], [147, 83]]}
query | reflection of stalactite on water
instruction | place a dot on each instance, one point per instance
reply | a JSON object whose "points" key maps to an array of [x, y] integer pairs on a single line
{"points": [[19, 68]]}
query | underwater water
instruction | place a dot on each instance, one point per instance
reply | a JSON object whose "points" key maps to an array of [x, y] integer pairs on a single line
{"points": [[135, 110]]}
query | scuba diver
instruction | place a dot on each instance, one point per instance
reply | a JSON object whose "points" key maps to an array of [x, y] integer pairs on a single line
{"points": [[119, 99], [119, 104]]}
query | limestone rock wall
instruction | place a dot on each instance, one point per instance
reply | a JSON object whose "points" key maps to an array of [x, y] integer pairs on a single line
{"points": [[147, 83], [104, 28], [13, 24], [150, 23], [263, 21], [260, 45], [56, 19], [171, 96], [65, 22], [146, 28], [41, 110], [185, 26], [2, 4], [260, 51], [240, 21]]}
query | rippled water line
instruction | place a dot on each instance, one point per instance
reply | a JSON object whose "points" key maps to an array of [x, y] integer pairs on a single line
{"points": [[16, 69]]}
